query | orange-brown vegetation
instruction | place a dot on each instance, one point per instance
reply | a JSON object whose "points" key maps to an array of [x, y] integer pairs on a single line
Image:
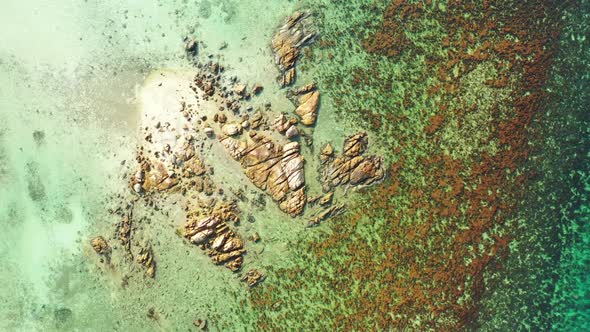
{"points": [[430, 262]]}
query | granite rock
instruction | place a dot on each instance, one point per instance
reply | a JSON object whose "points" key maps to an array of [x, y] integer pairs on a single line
{"points": [[351, 167], [308, 107], [279, 170]]}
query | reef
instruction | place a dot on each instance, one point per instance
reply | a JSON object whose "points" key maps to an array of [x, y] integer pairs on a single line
{"points": [[444, 206]]}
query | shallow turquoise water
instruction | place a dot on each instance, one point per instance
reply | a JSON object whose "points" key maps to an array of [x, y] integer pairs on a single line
{"points": [[69, 118]]}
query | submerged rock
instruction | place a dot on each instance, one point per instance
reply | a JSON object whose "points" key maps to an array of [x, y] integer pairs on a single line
{"points": [[327, 153], [367, 171], [62, 315], [191, 46], [39, 137], [257, 89], [146, 258], [201, 324], [100, 245], [255, 237], [253, 277], [331, 211]]}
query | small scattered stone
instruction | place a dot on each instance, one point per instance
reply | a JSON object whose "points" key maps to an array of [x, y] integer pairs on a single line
{"points": [[257, 89], [201, 324], [221, 118], [138, 188], [240, 89], [191, 46], [255, 237], [230, 129]]}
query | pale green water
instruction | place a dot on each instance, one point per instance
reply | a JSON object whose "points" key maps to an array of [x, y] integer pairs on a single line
{"points": [[70, 71]]}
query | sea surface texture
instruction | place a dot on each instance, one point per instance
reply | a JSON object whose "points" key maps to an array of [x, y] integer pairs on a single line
{"points": [[304, 165]]}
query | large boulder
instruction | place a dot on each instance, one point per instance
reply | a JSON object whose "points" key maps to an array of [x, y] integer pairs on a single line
{"points": [[308, 107]]}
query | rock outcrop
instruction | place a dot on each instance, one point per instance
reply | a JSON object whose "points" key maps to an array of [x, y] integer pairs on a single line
{"points": [[271, 167], [292, 132], [282, 123], [213, 234], [287, 44], [351, 167]]}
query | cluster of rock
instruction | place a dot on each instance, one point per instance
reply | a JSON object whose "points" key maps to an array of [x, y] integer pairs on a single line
{"points": [[287, 44], [124, 231], [145, 257], [276, 169], [213, 233], [170, 167], [271, 167], [230, 94], [351, 167], [286, 126]]}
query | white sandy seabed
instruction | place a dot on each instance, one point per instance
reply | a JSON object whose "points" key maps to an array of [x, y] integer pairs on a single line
{"points": [[68, 118]]}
